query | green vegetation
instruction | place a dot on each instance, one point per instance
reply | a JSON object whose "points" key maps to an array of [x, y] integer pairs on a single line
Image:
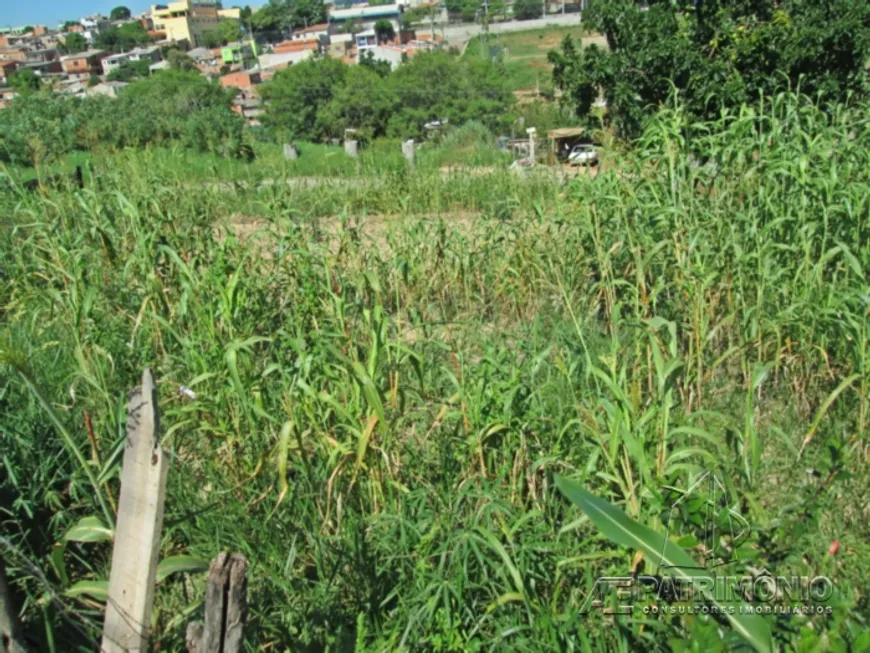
{"points": [[318, 99], [74, 42], [120, 13], [122, 38], [227, 31], [523, 54], [130, 70], [394, 372], [278, 15], [715, 55], [169, 106]]}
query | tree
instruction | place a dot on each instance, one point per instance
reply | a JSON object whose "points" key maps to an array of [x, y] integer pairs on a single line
{"points": [[714, 55], [68, 24], [25, 81], [364, 101], [229, 31], [210, 39], [245, 14], [528, 9], [75, 42], [122, 38], [384, 31], [93, 80], [416, 15], [120, 13], [295, 96], [380, 66], [27, 29], [178, 60], [437, 85]]}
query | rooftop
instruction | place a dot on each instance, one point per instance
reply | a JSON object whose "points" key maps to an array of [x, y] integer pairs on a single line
{"points": [[87, 54], [363, 13]]}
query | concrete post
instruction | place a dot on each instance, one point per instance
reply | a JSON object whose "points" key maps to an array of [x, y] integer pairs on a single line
{"points": [[290, 152], [408, 152], [351, 149]]}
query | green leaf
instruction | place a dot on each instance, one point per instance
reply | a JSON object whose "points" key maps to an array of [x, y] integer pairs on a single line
{"points": [[621, 529], [176, 564], [96, 589], [89, 529]]}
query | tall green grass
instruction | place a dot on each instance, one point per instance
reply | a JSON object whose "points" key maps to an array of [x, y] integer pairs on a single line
{"points": [[382, 403]]}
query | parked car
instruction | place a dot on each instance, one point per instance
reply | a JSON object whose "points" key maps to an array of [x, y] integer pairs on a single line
{"points": [[583, 155]]}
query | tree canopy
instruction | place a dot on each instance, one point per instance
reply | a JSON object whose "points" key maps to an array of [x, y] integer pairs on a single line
{"points": [[75, 42], [122, 38], [384, 30], [120, 13], [714, 54], [283, 15], [318, 99], [130, 70], [171, 105], [25, 81], [529, 9]]}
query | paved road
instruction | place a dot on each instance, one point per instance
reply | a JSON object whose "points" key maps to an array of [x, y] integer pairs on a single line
{"points": [[460, 35]]}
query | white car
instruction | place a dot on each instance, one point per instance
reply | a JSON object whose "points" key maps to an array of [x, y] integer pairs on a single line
{"points": [[583, 155]]}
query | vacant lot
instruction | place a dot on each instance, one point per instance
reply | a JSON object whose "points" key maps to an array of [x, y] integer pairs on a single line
{"points": [[525, 53]]}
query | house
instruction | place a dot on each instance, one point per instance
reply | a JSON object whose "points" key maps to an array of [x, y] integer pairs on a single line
{"points": [[71, 87], [203, 56], [187, 20], [108, 89], [13, 54], [313, 32], [6, 96], [7, 67], [114, 61], [84, 63], [244, 80], [93, 25], [396, 54], [239, 52], [365, 16], [43, 68], [296, 46], [366, 40]]}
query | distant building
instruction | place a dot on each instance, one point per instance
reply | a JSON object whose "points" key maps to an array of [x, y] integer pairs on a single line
{"points": [[13, 54], [239, 52], [114, 61], [108, 89], [7, 67], [189, 19], [365, 16], [313, 32], [245, 80], [84, 63]]}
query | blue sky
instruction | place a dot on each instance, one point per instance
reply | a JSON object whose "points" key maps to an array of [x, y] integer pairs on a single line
{"points": [[14, 13]]}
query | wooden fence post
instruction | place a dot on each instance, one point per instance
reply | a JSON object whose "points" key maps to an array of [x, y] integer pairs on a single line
{"points": [[10, 630], [226, 607], [137, 532]]}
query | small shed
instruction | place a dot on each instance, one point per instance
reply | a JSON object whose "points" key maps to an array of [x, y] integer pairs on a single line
{"points": [[563, 139]]}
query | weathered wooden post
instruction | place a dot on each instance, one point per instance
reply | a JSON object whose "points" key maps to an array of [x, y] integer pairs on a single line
{"points": [[10, 630], [408, 152], [226, 607], [137, 532]]}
